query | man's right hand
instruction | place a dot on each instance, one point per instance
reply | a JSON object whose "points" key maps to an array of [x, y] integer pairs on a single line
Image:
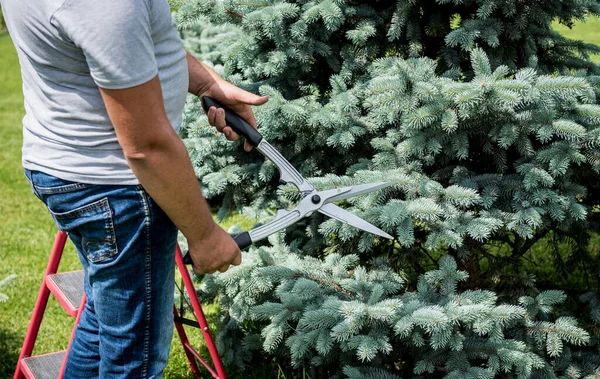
{"points": [[215, 251], [161, 162]]}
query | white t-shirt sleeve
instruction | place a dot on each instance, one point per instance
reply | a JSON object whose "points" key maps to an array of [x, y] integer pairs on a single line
{"points": [[115, 37]]}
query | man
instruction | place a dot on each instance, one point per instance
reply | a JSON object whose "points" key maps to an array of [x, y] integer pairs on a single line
{"points": [[105, 84]]}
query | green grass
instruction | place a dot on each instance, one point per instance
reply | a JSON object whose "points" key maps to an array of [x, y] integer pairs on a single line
{"points": [[26, 236], [588, 31], [26, 230]]}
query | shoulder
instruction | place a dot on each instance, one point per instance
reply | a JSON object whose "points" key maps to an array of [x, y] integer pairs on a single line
{"points": [[97, 25], [81, 15]]}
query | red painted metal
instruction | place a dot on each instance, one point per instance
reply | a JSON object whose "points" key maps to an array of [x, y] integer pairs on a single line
{"points": [[187, 347], [68, 307], [210, 344], [195, 353], [41, 302], [192, 355], [64, 364]]}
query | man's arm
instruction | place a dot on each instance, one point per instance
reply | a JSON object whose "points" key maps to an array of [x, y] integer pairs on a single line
{"points": [[161, 163], [204, 81]]}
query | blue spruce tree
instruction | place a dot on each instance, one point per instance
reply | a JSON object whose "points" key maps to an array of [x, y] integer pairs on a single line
{"points": [[487, 121]]}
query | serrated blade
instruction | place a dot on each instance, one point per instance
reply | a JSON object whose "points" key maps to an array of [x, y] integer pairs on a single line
{"points": [[346, 217]]}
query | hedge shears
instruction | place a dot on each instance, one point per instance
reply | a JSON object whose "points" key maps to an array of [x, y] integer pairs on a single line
{"points": [[312, 200]]}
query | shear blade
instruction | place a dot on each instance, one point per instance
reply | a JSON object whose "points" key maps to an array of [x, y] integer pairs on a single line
{"points": [[346, 217], [358, 190]]}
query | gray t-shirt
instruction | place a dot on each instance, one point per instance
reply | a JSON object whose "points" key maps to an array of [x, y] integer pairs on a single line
{"points": [[69, 48]]}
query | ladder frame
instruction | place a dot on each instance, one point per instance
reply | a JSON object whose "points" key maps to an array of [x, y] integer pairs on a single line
{"points": [[193, 357]]}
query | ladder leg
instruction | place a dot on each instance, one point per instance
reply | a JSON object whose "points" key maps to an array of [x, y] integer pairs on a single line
{"points": [[41, 302], [189, 286], [64, 364], [187, 347]]}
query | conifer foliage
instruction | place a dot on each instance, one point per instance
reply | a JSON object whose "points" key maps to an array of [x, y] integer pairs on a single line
{"points": [[336, 313], [489, 124]]}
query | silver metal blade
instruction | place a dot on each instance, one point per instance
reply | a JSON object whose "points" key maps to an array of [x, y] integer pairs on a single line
{"points": [[346, 217], [358, 190], [281, 221], [287, 172]]}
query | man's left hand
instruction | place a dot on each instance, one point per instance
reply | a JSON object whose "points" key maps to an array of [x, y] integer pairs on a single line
{"points": [[236, 99]]}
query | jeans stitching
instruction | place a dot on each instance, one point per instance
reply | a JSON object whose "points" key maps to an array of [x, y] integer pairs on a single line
{"points": [[109, 225], [148, 279], [60, 189], [86, 208], [147, 215]]}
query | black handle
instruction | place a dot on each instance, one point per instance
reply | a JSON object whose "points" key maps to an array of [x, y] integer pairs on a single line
{"points": [[238, 124], [243, 240]]}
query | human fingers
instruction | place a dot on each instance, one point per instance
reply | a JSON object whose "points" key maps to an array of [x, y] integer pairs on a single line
{"points": [[198, 270], [213, 268], [221, 125], [224, 268], [216, 118], [211, 114], [245, 112], [219, 119], [244, 99], [238, 259], [249, 98]]}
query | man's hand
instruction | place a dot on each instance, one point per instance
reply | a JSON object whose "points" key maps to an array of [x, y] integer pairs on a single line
{"points": [[205, 82], [236, 99], [216, 251], [160, 161]]}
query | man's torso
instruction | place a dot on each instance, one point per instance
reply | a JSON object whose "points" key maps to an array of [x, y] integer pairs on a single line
{"points": [[67, 132]]}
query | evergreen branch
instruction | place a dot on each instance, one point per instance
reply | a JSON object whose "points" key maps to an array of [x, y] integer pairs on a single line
{"points": [[426, 252], [491, 148], [256, 5], [329, 283], [234, 13], [594, 374], [573, 336]]}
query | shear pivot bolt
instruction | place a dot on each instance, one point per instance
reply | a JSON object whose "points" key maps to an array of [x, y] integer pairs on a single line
{"points": [[316, 199]]}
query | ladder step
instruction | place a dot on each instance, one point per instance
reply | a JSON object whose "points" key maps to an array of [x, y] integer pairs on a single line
{"points": [[45, 366], [67, 287]]}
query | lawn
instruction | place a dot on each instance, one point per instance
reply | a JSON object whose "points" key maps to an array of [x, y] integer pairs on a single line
{"points": [[588, 32], [26, 236], [27, 231]]}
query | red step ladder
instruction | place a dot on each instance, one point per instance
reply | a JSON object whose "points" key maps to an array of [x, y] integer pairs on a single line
{"points": [[67, 287]]}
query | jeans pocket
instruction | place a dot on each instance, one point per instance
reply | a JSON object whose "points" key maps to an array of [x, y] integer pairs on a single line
{"points": [[44, 184], [93, 224]]}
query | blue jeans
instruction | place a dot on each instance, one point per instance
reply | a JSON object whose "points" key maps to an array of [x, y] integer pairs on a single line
{"points": [[126, 245]]}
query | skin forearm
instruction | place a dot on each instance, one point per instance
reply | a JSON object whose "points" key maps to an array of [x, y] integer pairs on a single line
{"points": [[166, 173], [161, 163], [158, 157], [201, 77]]}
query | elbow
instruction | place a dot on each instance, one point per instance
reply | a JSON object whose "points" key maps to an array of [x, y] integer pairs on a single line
{"points": [[144, 152], [138, 156], [149, 150]]}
